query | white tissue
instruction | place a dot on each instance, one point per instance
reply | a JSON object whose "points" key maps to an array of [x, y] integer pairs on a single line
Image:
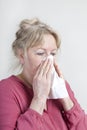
{"points": [[58, 88]]}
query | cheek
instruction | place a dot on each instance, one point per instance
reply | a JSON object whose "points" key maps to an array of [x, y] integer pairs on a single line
{"points": [[34, 64]]}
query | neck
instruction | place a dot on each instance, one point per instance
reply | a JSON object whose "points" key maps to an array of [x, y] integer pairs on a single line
{"points": [[25, 79]]}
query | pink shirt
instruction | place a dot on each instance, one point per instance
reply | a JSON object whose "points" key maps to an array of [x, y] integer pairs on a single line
{"points": [[15, 113]]}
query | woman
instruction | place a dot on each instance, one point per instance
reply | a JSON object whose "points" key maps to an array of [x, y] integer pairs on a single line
{"points": [[25, 101]]}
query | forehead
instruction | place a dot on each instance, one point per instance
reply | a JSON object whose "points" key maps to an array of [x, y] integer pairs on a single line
{"points": [[48, 42]]}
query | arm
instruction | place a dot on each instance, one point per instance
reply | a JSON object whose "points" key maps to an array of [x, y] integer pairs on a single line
{"points": [[11, 116], [41, 86], [75, 117]]}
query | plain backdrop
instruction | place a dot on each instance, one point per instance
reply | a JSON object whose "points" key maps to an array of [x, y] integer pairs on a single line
{"points": [[69, 18]]}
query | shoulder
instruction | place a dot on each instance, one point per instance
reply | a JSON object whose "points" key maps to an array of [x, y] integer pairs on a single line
{"points": [[11, 90], [10, 85], [14, 92], [14, 86], [7, 82]]}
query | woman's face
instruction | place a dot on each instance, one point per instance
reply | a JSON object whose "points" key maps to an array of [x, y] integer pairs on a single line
{"points": [[36, 55]]}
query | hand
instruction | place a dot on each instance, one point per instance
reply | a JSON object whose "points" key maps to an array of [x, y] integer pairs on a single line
{"points": [[41, 86], [59, 72], [42, 80], [66, 102]]}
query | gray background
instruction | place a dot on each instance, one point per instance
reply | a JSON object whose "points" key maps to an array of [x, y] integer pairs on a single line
{"points": [[69, 18]]}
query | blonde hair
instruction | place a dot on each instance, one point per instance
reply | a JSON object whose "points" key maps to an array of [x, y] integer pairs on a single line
{"points": [[31, 34]]}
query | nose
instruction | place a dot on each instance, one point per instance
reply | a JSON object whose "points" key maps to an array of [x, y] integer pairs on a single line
{"points": [[50, 57]]}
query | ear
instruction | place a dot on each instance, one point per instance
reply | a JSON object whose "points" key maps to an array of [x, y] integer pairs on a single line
{"points": [[21, 56]]}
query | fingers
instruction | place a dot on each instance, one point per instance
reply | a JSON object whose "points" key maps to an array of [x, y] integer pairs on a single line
{"points": [[44, 68], [49, 72], [58, 70], [48, 68]]}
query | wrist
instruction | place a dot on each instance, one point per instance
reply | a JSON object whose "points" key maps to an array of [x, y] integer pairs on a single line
{"points": [[38, 104], [67, 103]]}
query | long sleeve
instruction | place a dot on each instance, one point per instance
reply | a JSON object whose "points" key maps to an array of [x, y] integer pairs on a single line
{"points": [[30, 120], [76, 119], [12, 117], [15, 113]]}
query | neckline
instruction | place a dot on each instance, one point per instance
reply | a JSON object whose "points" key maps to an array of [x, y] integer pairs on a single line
{"points": [[29, 89], [21, 81]]}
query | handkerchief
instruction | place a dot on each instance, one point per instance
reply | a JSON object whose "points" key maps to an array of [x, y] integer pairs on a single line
{"points": [[58, 87]]}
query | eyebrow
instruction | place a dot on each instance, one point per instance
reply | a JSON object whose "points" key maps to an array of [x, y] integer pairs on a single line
{"points": [[45, 49]]}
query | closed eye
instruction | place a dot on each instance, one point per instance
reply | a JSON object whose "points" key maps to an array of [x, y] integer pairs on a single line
{"points": [[53, 54], [40, 53]]}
